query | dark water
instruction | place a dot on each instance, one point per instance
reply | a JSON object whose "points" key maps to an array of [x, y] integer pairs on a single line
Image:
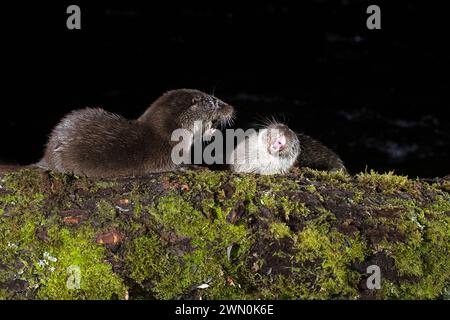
{"points": [[379, 98]]}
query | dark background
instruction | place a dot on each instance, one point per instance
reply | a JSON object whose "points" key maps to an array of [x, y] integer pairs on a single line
{"points": [[379, 98]]}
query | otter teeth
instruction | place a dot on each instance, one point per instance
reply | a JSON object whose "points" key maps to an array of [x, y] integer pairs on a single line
{"points": [[209, 131]]}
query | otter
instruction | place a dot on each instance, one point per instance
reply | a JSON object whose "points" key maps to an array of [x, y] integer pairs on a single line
{"points": [[271, 150], [96, 143]]}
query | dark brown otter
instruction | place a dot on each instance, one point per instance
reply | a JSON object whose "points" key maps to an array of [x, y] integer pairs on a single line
{"points": [[97, 143]]}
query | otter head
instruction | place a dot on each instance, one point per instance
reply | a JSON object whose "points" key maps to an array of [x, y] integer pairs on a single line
{"points": [[183, 108], [281, 141]]}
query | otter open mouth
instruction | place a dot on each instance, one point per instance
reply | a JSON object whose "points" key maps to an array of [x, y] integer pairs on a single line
{"points": [[217, 124], [208, 131]]}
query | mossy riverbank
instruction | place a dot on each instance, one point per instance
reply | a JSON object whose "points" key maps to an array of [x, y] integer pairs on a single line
{"points": [[217, 235]]}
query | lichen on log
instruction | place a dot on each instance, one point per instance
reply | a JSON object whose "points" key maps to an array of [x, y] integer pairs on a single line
{"points": [[217, 235]]}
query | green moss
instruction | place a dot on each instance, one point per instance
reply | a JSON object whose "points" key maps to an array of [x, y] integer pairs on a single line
{"points": [[358, 197], [171, 210], [279, 230], [212, 210], [206, 261], [439, 207], [137, 208], [284, 205], [4, 294], [423, 254], [388, 182], [22, 198], [442, 185], [245, 188], [203, 180], [20, 226], [336, 177], [25, 206], [293, 207], [105, 211], [280, 287], [276, 183], [184, 239], [446, 293], [48, 277], [268, 200], [24, 182], [172, 276], [76, 251], [146, 258], [27, 232], [337, 252], [99, 185]]}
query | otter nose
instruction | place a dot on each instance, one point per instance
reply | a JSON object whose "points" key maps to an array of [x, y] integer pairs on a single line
{"points": [[220, 104], [225, 108]]}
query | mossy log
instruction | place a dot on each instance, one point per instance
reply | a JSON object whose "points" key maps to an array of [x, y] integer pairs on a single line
{"points": [[217, 235]]}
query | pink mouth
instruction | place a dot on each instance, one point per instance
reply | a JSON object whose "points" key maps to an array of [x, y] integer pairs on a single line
{"points": [[279, 144]]}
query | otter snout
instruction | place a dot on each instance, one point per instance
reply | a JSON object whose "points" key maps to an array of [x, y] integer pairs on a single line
{"points": [[226, 109], [224, 115]]}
